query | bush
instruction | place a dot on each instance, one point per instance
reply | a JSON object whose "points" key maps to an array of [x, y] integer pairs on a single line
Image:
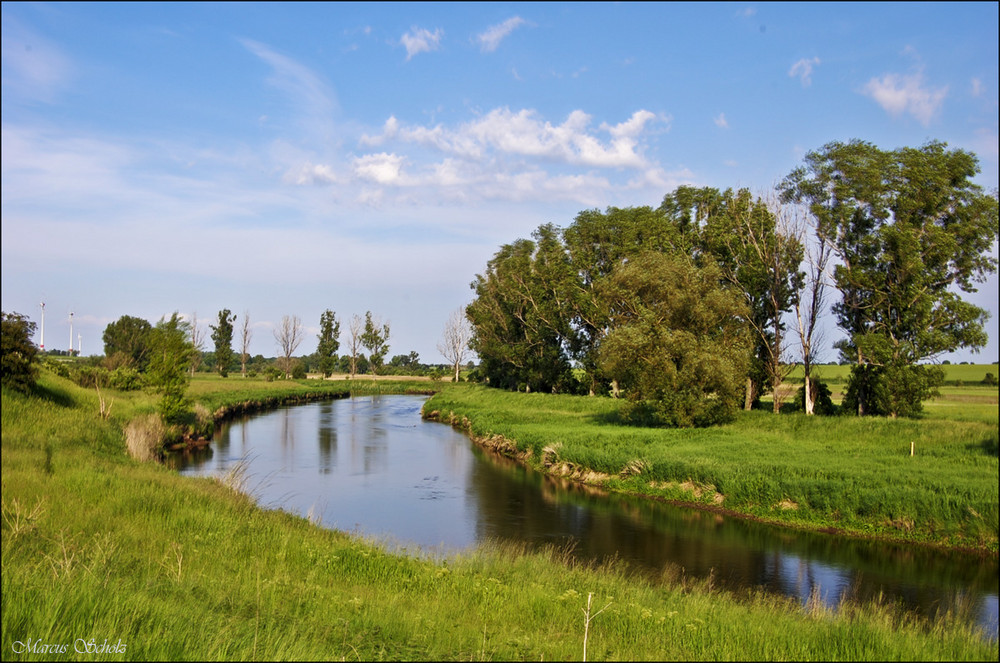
{"points": [[57, 367], [89, 377], [990, 380], [299, 371], [124, 378], [18, 352]]}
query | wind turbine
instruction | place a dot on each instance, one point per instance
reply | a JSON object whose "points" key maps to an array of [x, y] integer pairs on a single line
{"points": [[71, 333], [41, 346]]}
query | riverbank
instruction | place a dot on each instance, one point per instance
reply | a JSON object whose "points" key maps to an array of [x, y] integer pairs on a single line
{"points": [[98, 547], [843, 475]]}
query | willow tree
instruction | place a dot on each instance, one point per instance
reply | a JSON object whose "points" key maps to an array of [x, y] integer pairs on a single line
{"points": [[678, 342]]}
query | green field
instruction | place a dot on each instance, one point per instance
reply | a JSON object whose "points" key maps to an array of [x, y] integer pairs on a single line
{"points": [[852, 474], [100, 548], [967, 374]]}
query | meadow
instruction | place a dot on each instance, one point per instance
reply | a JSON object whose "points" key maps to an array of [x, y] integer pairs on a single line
{"points": [[852, 475], [107, 558]]}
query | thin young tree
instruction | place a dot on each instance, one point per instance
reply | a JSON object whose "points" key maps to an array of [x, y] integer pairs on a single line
{"points": [[288, 335], [810, 300], [454, 344], [356, 329], [246, 333], [198, 342]]}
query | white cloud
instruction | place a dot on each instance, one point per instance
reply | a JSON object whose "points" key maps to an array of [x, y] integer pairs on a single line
{"points": [[504, 132], [803, 69], [421, 40], [977, 87], [490, 40], [380, 168], [899, 94], [720, 121]]}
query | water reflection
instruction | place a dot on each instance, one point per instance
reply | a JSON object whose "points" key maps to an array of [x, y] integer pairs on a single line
{"points": [[372, 465]]}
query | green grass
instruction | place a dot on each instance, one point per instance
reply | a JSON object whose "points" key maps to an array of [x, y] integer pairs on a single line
{"points": [[852, 474], [967, 374], [99, 547]]}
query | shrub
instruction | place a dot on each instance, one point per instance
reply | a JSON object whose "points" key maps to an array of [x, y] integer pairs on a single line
{"points": [[18, 352], [299, 371], [124, 378], [89, 377], [990, 380]]}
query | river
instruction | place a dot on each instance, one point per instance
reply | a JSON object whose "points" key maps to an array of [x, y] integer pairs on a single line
{"points": [[370, 465]]}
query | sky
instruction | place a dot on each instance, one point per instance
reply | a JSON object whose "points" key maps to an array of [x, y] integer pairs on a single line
{"points": [[284, 159]]}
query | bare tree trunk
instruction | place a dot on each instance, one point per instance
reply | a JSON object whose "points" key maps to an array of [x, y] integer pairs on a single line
{"points": [[807, 387], [750, 394]]}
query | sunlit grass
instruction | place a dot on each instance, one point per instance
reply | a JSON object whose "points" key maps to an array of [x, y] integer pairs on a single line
{"points": [[99, 546]]}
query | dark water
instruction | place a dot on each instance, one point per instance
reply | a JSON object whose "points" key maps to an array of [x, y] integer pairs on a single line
{"points": [[371, 465]]}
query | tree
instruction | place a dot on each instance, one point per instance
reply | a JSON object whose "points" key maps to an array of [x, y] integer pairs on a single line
{"points": [[329, 332], [289, 336], [356, 329], [454, 343], [522, 315], [810, 302], [126, 341], [197, 341], [909, 229], [759, 255], [18, 352], [170, 355], [246, 333], [376, 340], [597, 243], [678, 341], [222, 335]]}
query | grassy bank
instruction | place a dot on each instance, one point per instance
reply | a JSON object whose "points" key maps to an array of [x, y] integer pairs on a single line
{"points": [[846, 473], [98, 547]]}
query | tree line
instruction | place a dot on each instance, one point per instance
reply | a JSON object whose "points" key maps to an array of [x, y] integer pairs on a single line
{"points": [[691, 309]]}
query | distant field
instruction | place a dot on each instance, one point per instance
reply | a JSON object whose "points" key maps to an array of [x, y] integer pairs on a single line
{"points": [[967, 373]]}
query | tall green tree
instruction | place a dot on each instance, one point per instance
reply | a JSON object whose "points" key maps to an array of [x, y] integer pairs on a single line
{"points": [[222, 335], [18, 351], [909, 230], [678, 342], [759, 259], [329, 333], [597, 243], [375, 338], [126, 342], [521, 317], [170, 355]]}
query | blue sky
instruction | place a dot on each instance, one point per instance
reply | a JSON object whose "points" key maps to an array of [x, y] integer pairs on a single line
{"points": [[287, 158]]}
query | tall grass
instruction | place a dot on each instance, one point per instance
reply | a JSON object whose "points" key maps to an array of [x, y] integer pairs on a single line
{"points": [[102, 548]]}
